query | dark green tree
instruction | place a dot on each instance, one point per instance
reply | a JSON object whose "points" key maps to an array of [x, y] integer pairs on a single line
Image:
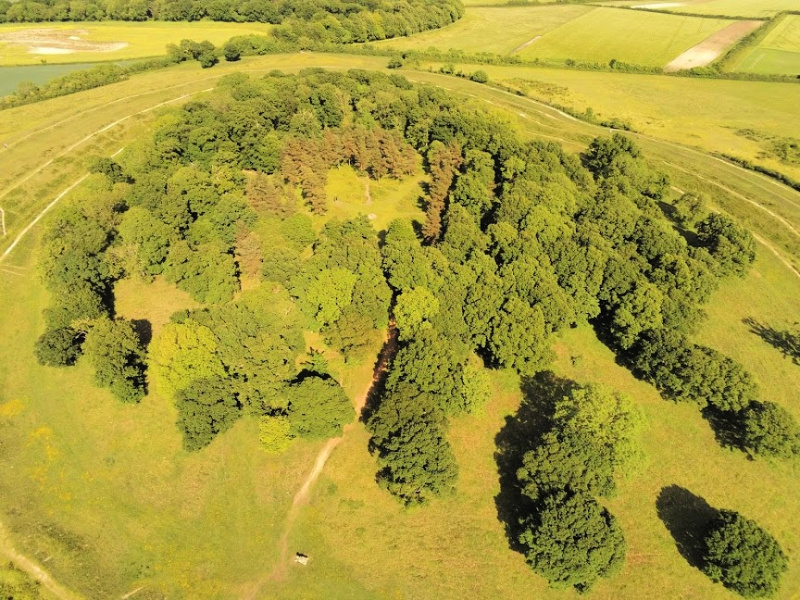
{"points": [[117, 354], [743, 556], [770, 430], [206, 408], [58, 347], [318, 407]]}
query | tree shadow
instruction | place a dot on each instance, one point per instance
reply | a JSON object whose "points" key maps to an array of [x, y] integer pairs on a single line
{"points": [[380, 373], [522, 433], [687, 518], [144, 330], [787, 341], [728, 427]]}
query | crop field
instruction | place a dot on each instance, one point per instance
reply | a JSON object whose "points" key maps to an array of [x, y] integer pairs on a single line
{"points": [[103, 495], [750, 9], [497, 30], [641, 38], [778, 53], [23, 44]]}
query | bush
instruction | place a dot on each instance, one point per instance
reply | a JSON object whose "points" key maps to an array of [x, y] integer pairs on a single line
{"points": [[480, 77], [231, 52], [743, 556], [58, 347]]}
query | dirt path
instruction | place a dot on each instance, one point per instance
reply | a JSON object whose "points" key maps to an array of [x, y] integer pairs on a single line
{"points": [[33, 569], [712, 47], [522, 47]]}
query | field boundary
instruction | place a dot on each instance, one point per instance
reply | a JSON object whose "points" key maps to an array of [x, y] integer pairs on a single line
{"points": [[736, 53]]}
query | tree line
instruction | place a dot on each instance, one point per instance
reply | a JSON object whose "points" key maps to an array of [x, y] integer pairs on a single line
{"points": [[520, 241]]}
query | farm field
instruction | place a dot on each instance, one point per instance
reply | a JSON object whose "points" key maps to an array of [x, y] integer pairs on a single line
{"points": [[758, 9], [496, 30], [11, 77], [656, 106], [649, 39], [106, 493], [104, 41], [778, 53]]}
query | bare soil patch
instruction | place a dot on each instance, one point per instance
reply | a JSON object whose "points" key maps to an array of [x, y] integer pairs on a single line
{"points": [[713, 46], [525, 45], [58, 41]]}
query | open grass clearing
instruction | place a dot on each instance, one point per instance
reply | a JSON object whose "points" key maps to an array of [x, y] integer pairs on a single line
{"points": [[24, 44], [778, 53], [495, 30], [641, 38]]}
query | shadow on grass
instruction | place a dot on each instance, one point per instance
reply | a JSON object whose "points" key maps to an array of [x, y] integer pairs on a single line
{"points": [[144, 330], [728, 427], [687, 517], [521, 433], [786, 340]]}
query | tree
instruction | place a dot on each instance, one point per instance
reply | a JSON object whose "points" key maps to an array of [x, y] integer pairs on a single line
{"points": [[207, 55], [573, 541], [58, 347], [181, 353], [689, 208], [732, 247], [206, 408], [480, 77], [770, 430], [274, 433], [416, 463], [318, 407], [413, 310], [743, 556], [117, 354], [231, 51]]}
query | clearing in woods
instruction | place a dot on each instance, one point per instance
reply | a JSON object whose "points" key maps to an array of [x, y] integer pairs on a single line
{"points": [[713, 46]]}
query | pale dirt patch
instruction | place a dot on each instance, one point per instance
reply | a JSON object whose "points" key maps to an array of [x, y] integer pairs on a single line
{"points": [[659, 5], [58, 41], [712, 47], [525, 45]]}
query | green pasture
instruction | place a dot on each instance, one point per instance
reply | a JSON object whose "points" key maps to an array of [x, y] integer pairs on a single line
{"points": [[143, 39], [496, 30], [777, 53], [105, 491], [641, 38]]}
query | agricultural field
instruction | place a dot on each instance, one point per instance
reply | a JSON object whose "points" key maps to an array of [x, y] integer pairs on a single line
{"points": [[28, 44], [778, 53], [749, 9], [501, 30], [649, 39]]}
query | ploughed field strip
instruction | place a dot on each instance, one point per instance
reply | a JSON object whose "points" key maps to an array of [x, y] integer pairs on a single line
{"points": [[712, 47]]}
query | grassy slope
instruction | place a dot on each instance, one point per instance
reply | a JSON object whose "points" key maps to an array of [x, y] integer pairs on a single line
{"points": [[358, 550], [657, 106], [144, 39], [641, 38], [778, 52], [496, 30]]}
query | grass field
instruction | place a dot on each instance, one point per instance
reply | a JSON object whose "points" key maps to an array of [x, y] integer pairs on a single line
{"points": [[777, 53], [759, 9], [143, 39], [106, 492], [495, 30], [657, 106], [641, 38]]}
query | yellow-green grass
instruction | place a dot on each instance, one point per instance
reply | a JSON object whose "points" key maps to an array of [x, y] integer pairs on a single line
{"points": [[758, 9], [641, 38], [471, 3], [144, 39], [390, 198], [777, 53], [496, 30], [657, 106], [363, 545]]}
